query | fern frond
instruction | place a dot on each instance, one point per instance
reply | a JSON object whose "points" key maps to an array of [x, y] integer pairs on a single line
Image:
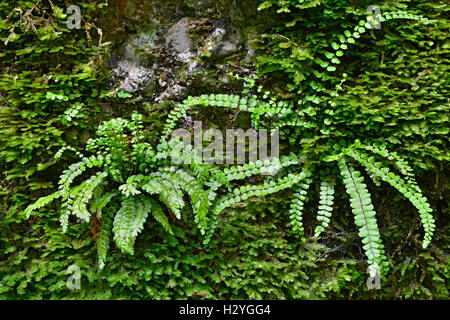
{"points": [[247, 191], [129, 221], [171, 192], [60, 152], [404, 15], [76, 170], [79, 206], [66, 206], [325, 205], [252, 105], [99, 203], [160, 216], [296, 209], [166, 186], [409, 191], [130, 187], [198, 196], [364, 215], [104, 238], [338, 47], [41, 202], [400, 163], [266, 167]]}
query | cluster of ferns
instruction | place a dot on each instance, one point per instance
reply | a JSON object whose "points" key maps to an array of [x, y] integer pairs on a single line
{"points": [[129, 179]]}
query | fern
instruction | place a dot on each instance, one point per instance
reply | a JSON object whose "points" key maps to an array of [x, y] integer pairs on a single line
{"points": [[160, 216], [244, 192], [409, 191], [67, 205], [325, 204], [104, 238], [199, 199], [296, 210], [79, 206], [75, 170], [101, 201], [253, 105], [364, 215], [129, 222], [168, 192], [131, 168], [338, 47], [41, 202], [124, 164], [400, 163]]}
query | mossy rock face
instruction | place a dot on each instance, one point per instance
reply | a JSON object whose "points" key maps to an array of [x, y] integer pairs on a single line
{"points": [[169, 50], [253, 254]]}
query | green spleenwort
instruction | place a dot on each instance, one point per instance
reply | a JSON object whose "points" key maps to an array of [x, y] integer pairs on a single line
{"points": [[364, 214]]}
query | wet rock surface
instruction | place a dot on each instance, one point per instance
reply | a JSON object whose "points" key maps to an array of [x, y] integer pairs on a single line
{"points": [[179, 49], [178, 38], [132, 67], [223, 41]]}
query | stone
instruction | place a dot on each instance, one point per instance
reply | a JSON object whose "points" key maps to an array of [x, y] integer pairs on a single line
{"points": [[136, 77], [178, 38], [223, 41], [139, 48], [133, 64]]}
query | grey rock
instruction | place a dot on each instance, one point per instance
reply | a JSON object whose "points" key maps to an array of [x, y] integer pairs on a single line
{"points": [[171, 92], [138, 48], [178, 38], [223, 41], [131, 66], [136, 76]]}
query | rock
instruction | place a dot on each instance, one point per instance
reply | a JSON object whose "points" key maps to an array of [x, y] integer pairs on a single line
{"points": [[139, 48], [178, 38], [168, 63], [136, 76], [133, 64], [170, 93], [223, 41]]}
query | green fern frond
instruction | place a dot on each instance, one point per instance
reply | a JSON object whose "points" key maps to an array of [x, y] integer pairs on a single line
{"points": [[66, 206], [325, 205], [41, 202], [296, 209], [259, 167], [104, 238], [247, 191], [76, 170], [332, 57], [160, 216], [198, 196], [410, 192], [400, 163], [169, 190], [99, 203], [79, 206], [252, 105], [60, 152], [129, 222], [364, 215]]}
